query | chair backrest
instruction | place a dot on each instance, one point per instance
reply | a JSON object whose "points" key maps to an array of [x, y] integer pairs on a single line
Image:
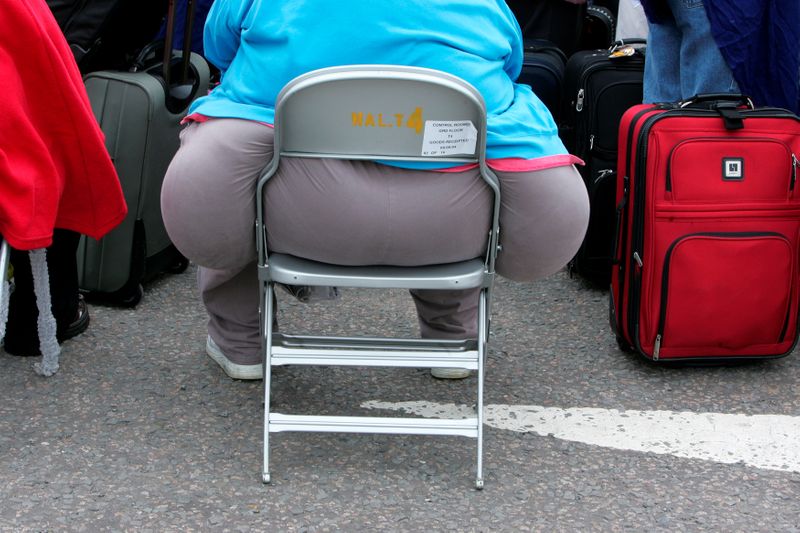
{"points": [[385, 111], [381, 112]]}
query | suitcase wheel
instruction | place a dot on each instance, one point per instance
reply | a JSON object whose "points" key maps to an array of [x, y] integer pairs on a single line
{"points": [[624, 345], [179, 266], [131, 298]]}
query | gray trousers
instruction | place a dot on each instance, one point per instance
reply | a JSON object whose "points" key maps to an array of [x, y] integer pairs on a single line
{"points": [[353, 212]]}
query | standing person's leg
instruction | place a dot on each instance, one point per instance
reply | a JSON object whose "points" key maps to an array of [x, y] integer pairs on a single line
{"points": [[62, 267], [702, 67], [208, 203], [662, 74], [69, 309]]}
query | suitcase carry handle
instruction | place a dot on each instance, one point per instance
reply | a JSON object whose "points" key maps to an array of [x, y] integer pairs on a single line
{"points": [[626, 42], [727, 105], [717, 98]]}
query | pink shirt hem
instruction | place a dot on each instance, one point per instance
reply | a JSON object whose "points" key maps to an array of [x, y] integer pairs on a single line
{"points": [[514, 164]]}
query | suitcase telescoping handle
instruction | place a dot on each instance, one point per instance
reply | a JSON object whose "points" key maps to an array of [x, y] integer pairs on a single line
{"points": [[179, 95], [169, 36]]}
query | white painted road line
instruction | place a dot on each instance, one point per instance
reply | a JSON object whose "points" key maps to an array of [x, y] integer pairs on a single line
{"points": [[763, 441]]}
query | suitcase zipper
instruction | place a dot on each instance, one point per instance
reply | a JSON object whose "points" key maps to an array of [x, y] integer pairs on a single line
{"points": [[623, 233], [579, 101], [794, 172]]}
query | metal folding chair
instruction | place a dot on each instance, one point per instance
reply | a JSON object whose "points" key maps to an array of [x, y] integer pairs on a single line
{"points": [[377, 112]]}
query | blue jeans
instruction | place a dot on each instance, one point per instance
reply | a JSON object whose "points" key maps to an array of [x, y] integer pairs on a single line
{"points": [[682, 58]]}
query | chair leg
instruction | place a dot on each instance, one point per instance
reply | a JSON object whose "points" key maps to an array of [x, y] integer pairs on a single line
{"points": [[482, 333], [268, 304]]}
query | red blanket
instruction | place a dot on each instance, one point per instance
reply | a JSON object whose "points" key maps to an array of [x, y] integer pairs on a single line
{"points": [[54, 167]]}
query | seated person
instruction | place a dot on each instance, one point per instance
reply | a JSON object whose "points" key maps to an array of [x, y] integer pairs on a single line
{"points": [[363, 212], [56, 177]]}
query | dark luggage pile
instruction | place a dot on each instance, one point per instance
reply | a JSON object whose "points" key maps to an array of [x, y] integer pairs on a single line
{"points": [[600, 85], [587, 81], [139, 90]]}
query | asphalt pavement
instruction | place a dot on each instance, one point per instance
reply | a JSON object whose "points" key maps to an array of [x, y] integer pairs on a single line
{"points": [[140, 431]]}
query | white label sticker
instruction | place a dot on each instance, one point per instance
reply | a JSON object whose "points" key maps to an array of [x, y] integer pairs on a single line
{"points": [[449, 137]]}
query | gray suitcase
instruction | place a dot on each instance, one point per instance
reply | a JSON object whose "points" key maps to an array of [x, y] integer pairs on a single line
{"points": [[140, 115]]}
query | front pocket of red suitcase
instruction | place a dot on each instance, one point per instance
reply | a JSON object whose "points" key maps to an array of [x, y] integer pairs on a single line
{"points": [[726, 171], [725, 294]]}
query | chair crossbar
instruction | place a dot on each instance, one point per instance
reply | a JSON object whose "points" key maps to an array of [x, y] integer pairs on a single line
{"points": [[333, 357], [383, 343], [370, 351], [292, 270], [467, 427]]}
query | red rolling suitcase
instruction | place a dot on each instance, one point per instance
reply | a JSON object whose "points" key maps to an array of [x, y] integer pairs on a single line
{"points": [[708, 234]]}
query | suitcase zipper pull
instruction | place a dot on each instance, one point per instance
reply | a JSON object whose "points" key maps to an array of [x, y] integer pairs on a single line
{"points": [[579, 101], [657, 347], [638, 259], [794, 172]]}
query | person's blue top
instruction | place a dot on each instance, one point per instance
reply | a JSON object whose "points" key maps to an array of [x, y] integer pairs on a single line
{"points": [[260, 45]]}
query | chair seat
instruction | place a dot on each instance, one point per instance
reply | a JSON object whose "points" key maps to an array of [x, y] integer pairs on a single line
{"points": [[291, 270]]}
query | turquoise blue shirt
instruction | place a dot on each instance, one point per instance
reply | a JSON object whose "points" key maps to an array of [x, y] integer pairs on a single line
{"points": [[260, 45]]}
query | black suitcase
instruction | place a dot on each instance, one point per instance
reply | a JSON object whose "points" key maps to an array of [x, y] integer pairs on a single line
{"points": [[107, 34], [543, 70], [599, 86]]}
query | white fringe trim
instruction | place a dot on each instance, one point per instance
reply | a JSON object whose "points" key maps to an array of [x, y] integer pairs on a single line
{"points": [[48, 344]]}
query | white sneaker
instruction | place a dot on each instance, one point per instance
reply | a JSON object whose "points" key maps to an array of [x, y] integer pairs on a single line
{"points": [[450, 373], [234, 370]]}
